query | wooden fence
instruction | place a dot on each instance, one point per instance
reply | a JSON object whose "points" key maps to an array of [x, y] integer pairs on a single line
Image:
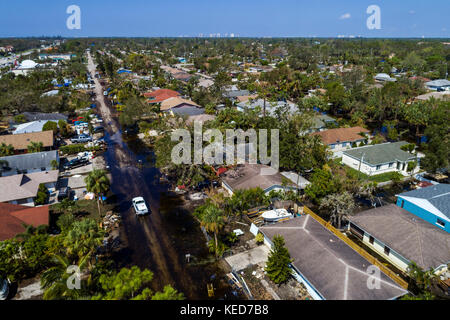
{"points": [[358, 249]]}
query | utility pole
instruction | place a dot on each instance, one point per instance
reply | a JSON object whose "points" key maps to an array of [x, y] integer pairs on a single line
{"points": [[360, 161]]}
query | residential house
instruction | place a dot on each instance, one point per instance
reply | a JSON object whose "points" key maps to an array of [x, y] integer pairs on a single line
{"points": [[444, 95], [384, 77], [23, 188], [431, 203], [402, 237], [36, 116], [341, 139], [380, 158], [33, 126], [440, 84], [179, 106], [328, 267], [234, 93], [13, 217], [249, 176], [321, 122], [20, 142], [28, 163], [160, 95], [271, 107]]}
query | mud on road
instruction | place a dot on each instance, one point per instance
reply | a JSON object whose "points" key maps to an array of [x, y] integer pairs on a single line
{"points": [[160, 240]]}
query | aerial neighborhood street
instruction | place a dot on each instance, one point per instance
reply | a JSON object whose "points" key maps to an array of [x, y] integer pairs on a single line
{"points": [[217, 168]]}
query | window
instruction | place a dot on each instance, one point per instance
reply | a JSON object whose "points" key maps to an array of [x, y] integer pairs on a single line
{"points": [[440, 223], [344, 144], [403, 203], [371, 240], [333, 146], [391, 165], [387, 250], [378, 167]]}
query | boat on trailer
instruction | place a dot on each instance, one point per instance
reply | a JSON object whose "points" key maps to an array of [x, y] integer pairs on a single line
{"points": [[276, 214]]}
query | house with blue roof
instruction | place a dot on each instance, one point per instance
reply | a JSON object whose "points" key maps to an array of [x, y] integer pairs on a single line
{"points": [[432, 204]]}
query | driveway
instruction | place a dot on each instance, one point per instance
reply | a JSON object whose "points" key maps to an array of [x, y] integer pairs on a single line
{"points": [[254, 256]]}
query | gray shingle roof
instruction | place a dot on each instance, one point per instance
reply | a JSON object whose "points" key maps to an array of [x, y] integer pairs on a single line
{"points": [[414, 238], [34, 116], [381, 153], [328, 263], [29, 161], [438, 195]]}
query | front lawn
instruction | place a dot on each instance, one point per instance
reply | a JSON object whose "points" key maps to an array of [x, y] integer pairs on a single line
{"points": [[383, 177]]}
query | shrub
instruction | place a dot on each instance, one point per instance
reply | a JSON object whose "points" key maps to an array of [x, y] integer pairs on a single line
{"points": [[259, 238]]}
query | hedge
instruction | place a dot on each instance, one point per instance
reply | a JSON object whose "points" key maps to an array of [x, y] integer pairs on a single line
{"points": [[76, 148]]}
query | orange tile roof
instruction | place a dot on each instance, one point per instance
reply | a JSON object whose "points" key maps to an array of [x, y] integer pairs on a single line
{"points": [[160, 95], [13, 216], [332, 136]]}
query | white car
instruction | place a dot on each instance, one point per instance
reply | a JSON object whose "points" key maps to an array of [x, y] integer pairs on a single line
{"points": [[139, 206]]}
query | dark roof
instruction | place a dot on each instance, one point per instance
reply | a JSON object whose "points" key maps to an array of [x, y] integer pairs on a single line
{"points": [[414, 238], [30, 161], [236, 93], [438, 195], [380, 153], [13, 216], [335, 270], [34, 116]]}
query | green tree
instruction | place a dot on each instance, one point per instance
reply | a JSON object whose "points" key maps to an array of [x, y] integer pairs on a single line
{"points": [[54, 280], [98, 183], [42, 195], [50, 125], [35, 147], [322, 184], [277, 266], [84, 237], [125, 284], [212, 219], [169, 293], [6, 150]]}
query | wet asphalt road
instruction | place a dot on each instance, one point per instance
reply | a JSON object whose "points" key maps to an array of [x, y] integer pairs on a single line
{"points": [[149, 241]]}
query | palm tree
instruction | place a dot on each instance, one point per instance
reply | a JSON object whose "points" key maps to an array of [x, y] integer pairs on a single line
{"points": [[212, 220], [98, 183], [55, 279], [6, 150], [35, 147]]}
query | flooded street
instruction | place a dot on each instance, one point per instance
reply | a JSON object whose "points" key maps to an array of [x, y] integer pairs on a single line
{"points": [[158, 241]]}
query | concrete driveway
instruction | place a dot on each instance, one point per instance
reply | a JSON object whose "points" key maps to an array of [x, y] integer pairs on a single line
{"points": [[254, 256]]}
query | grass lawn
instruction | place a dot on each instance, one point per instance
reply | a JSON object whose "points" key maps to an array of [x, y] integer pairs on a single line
{"points": [[83, 209], [383, 177]]}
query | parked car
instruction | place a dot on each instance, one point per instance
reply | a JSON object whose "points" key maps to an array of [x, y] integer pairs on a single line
{"points": [[63, 193], [98, 129], [4, 289], [75, 163], [139, 206], [206, 184], [81, 139]]}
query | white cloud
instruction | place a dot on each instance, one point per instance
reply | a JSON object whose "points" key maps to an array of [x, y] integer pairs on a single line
{"points": [[345, 16]]}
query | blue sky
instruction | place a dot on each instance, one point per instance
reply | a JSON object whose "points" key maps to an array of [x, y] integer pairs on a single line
{"points": [[255, 18]]}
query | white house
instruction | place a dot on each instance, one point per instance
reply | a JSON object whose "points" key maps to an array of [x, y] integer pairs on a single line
{"points": [[380, 158]]}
